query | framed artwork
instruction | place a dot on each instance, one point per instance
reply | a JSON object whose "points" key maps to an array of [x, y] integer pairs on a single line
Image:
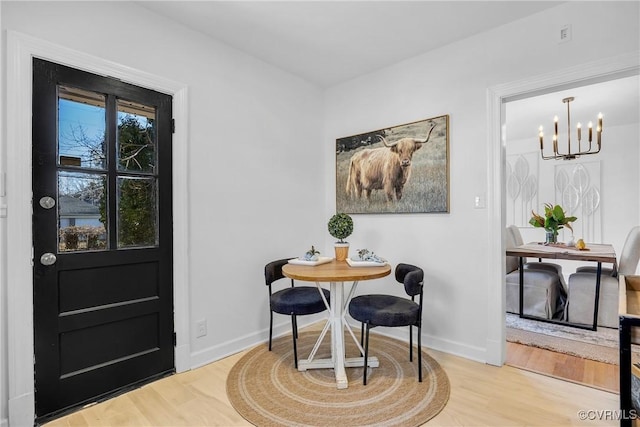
{"points": [[578, 189], [523, 183], [401, 169]]}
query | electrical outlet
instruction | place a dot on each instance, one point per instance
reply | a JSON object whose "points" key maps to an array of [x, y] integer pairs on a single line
{"points": [[565, 34], [201, 328]]}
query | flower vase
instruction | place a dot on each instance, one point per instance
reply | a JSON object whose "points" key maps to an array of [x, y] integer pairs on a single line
{"points": [[551, 237]]}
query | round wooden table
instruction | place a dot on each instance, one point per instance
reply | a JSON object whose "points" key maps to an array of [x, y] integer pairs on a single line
{"points": [[336, 273]]}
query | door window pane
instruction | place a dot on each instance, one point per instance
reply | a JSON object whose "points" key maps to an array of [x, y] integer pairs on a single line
{"points": [[136, 137], [81, 128], [81, 211], [137, 212]]}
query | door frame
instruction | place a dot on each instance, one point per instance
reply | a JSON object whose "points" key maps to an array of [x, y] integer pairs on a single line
{"points": [[623, 65], [21, 49]]}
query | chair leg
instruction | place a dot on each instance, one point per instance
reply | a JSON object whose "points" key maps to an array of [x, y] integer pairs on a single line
{"points": [[361, 337], [410, 343], [294, 328], [270, 328], [419, 353], [366, 355]]}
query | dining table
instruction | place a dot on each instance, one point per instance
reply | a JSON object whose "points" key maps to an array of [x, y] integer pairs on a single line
{"points": [[336, 273], [598, 253]]}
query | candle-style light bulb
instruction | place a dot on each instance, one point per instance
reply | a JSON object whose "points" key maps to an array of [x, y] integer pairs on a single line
{"points": [[579, 131], [541, 134], [555, 144], [600, 122], [590, 131], [599, 130], [555, 125]]}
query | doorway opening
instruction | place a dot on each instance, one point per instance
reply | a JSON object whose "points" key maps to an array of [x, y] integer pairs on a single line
{"points": [[589, 188]]}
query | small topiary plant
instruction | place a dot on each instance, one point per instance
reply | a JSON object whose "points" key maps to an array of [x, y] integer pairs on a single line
{"points": [[340, 226]]}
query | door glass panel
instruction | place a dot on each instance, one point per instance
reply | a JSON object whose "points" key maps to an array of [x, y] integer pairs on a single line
{"points": [[136, 137], [137, 212], [81, 128], [81, 211]]}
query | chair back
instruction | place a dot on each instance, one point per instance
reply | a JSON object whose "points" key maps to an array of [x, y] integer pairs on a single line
{"points": [[630, 253], [273, 271], [515, 234], [511, 239], [412, 277]]}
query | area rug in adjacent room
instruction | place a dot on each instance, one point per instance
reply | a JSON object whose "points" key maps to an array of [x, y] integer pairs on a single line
{"points": [[267, 390], [600, 345]]}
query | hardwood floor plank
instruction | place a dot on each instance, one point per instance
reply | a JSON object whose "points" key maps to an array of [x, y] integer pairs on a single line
{"points": [[571, 368], [481, 395]]}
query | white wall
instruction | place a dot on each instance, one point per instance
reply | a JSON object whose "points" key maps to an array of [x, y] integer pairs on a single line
{"points": [[261, 164], [453, 248], [255, 139]]}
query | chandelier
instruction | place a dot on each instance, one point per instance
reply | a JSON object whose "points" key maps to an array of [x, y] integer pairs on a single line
{"points": [[568, 155]]}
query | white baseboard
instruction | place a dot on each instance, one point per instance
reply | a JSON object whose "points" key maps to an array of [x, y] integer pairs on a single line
{"points": [[477, 354], [183, 359], [21, 411], [217, 352], [496, 352], [214, 353]]}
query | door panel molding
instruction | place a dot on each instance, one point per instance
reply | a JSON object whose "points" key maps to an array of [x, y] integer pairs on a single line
{"points": [[21, 49]]}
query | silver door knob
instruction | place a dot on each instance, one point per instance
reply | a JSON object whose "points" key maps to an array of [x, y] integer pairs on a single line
{"points": [[48, 259], [47, 202]]}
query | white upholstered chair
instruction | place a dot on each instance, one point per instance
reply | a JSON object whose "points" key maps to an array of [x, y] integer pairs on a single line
{"points": [[628, 260], [537, 265], [543, 290], [582, 286]]}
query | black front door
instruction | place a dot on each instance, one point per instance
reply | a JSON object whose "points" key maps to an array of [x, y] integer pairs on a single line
{"points": [[102, 237]]}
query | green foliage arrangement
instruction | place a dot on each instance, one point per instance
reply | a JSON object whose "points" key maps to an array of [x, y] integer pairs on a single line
{"points": [[313, 251], [340, 226], [553, 220]]}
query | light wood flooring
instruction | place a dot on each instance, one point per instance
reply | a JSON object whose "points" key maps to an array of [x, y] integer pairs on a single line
{"points": [[481, 395], [571, 368]]}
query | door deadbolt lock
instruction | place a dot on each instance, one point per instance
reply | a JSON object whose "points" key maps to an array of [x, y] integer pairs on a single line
{"points": [[47, 202], [48, 259]]}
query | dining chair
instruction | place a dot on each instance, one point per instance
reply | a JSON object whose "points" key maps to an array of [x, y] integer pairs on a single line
{"points": [[581, 296], [628, 261], [292, 301], [392, 311], [536, 265], [543, 288]]}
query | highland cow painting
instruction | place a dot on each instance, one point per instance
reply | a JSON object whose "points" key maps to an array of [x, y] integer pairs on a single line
{"points": [[401, 169]]}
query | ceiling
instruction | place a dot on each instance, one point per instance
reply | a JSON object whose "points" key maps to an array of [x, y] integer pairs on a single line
{"points": [[330, 42]]}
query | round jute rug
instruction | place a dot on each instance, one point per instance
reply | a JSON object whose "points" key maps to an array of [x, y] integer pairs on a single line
{"points": [[267, 390]]}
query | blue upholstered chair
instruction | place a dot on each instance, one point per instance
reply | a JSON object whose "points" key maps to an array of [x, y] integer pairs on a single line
{"points": [[392, 311], [292, 301]]}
